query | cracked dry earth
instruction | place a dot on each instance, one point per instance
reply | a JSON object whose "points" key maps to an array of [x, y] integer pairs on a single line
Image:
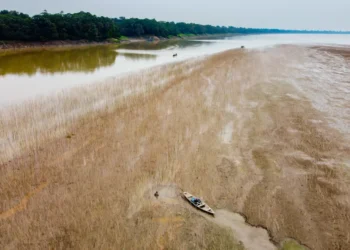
{"points": [[262, 134]]}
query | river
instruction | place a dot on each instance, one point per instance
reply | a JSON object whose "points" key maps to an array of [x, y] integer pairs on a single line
{"points": [[260, 134], [29, 74]]}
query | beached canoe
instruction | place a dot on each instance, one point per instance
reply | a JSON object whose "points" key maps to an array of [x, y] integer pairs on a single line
{"points": [[198, 203]]}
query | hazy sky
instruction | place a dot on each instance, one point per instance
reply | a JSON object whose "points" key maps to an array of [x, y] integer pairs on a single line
{"points": [[288, 14]]}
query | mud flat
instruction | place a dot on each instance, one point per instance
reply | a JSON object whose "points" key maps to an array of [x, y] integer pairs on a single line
{"points": [[243, 129]]}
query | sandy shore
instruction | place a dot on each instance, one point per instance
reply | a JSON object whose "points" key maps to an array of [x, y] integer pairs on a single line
{"points": [[239, 129]]}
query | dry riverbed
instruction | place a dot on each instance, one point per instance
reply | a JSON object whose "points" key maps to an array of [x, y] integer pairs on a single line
{"points": [[244, 129]]}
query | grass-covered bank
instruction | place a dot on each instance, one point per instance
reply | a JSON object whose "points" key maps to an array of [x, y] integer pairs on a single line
{"points": [[18, 46], [6, 46]]}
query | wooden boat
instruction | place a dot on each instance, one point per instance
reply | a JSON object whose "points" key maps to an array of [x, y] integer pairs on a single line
{"points": [[198, 203]]}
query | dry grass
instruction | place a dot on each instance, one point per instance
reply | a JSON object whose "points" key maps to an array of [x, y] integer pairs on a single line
{"points": [[221, 127]]}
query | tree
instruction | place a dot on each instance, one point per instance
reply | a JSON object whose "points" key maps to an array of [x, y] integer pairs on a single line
{"points": [[45, 30], [139, 29], [92, 33]]}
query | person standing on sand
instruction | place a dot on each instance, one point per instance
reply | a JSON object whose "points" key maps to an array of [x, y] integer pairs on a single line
{"points": [[156, 194]]}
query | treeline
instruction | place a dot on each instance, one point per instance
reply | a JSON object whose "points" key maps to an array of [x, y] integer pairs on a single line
{"points": [[83, 25], [47, 27], [141, 27]]}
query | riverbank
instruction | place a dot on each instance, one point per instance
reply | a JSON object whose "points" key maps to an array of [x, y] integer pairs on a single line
{"points": [[79, 166], [21, 45]]}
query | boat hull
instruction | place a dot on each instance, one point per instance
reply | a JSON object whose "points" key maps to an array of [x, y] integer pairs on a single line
{"points": [[201, 206]]}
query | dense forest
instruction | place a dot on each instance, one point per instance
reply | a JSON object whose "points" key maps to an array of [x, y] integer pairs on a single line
{"points": [[85, 26], [46, 27]]}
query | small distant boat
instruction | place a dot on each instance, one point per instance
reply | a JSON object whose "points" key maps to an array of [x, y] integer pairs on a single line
{"points": [[198, 203]]}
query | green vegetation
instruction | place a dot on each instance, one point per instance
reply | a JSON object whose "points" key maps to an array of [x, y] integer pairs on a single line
{"points": [[85, 26], [185, 35], [123, 38], [47, 27], [290, 244]]}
